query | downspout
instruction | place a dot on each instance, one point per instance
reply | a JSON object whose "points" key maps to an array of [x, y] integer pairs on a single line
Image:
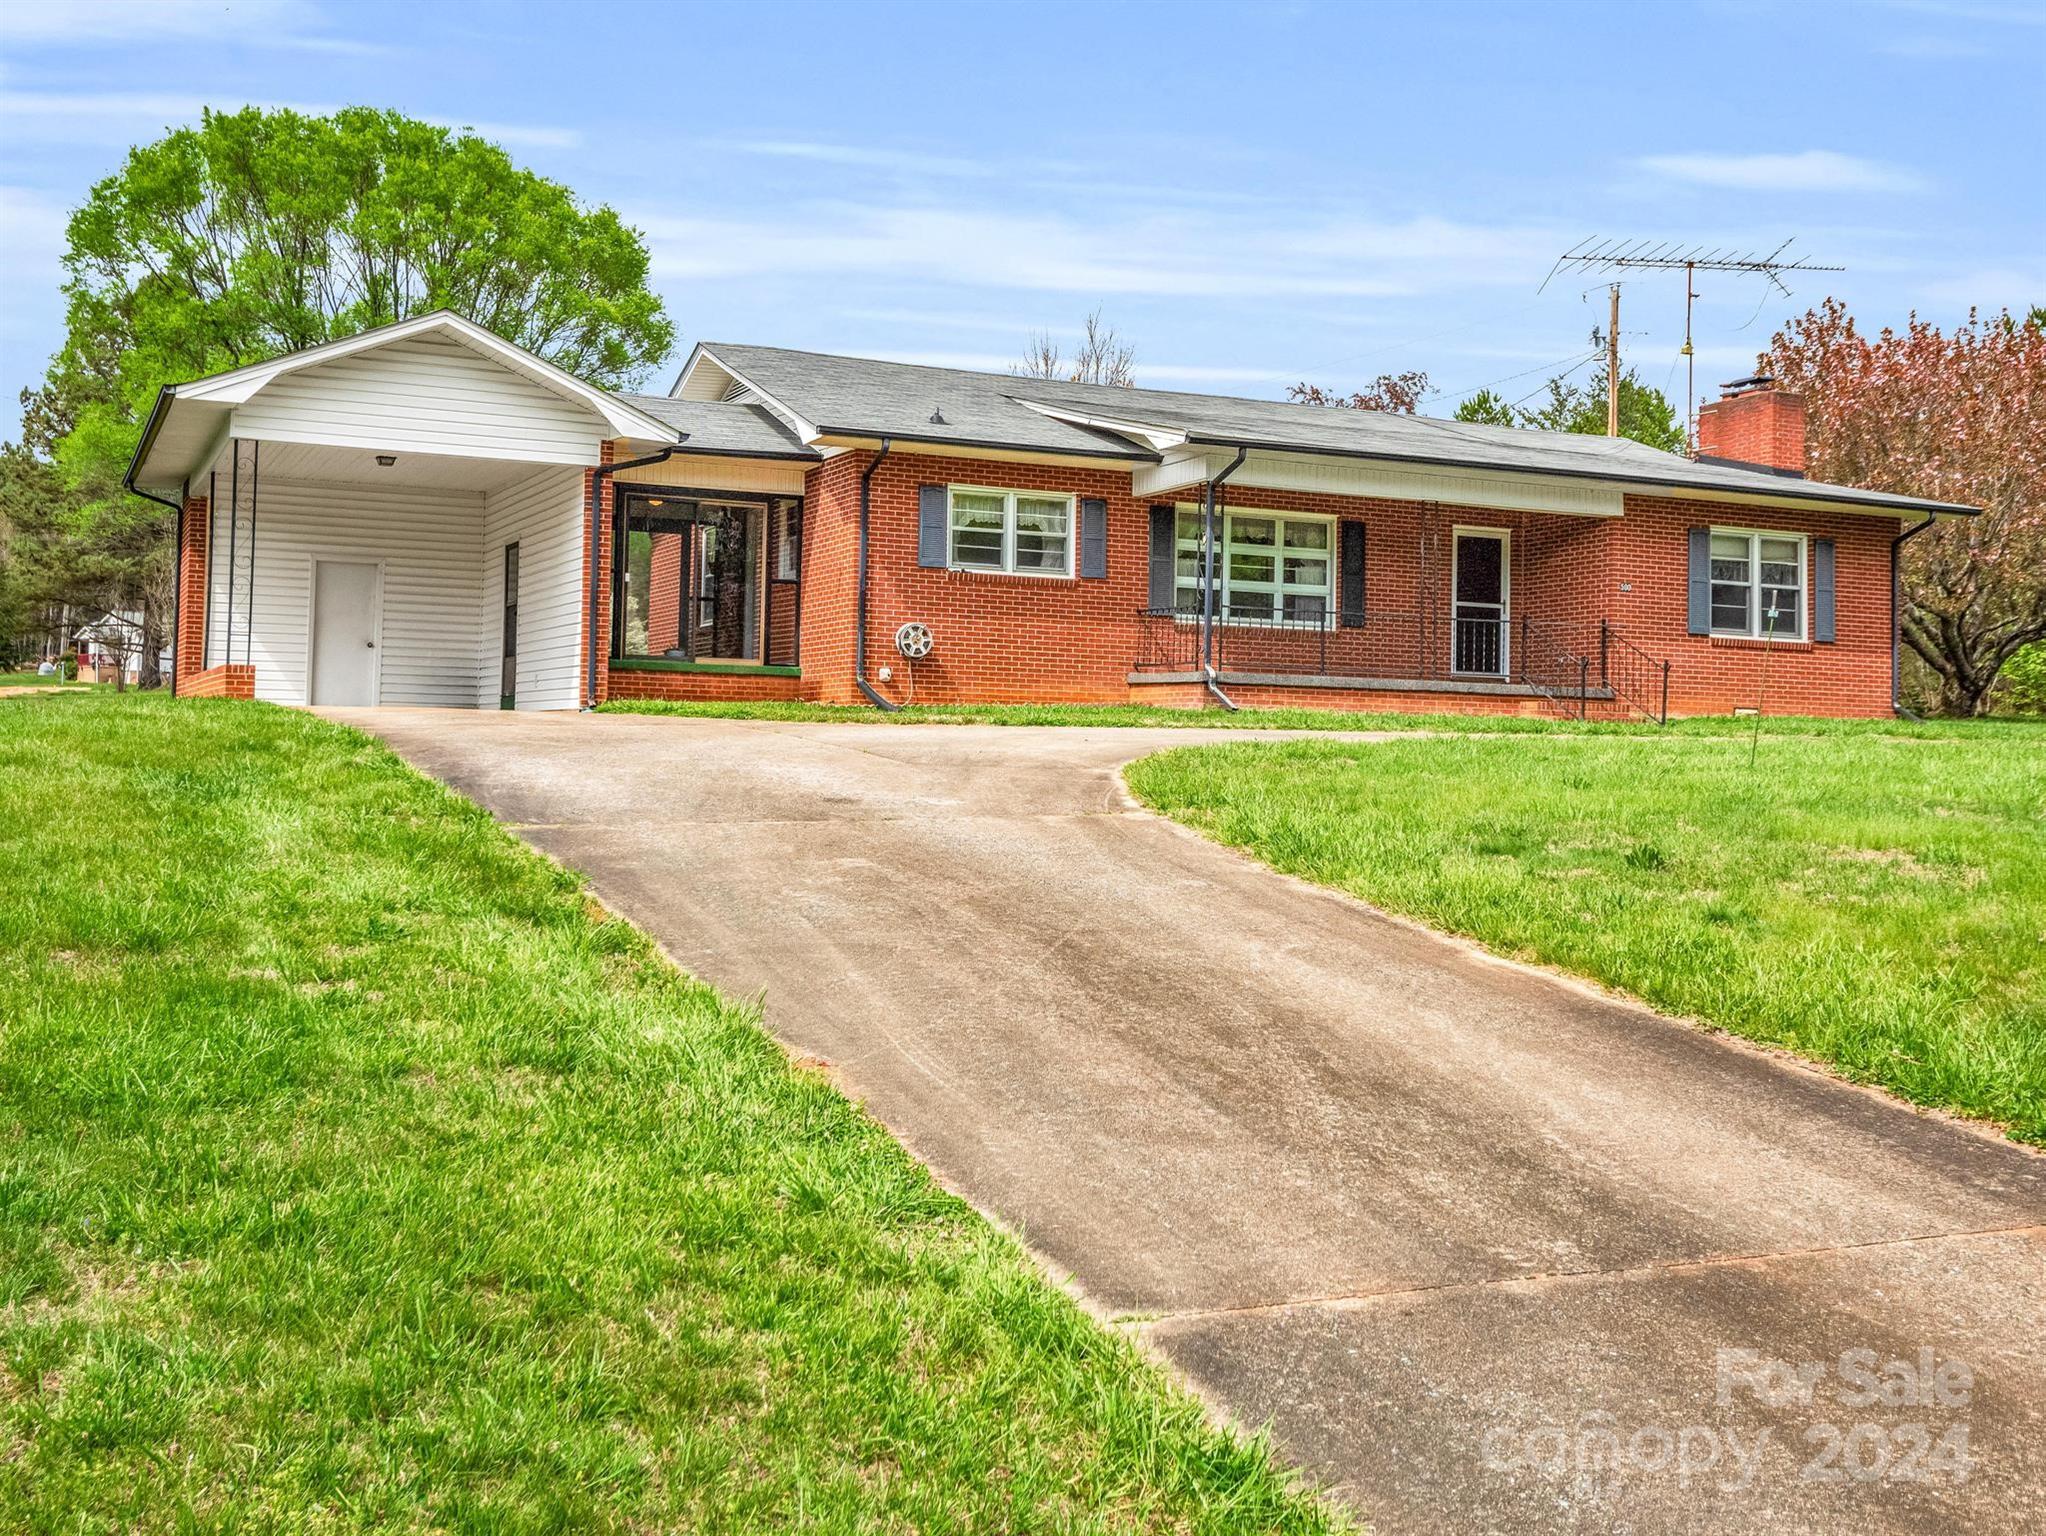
{"points": [[178, 510], [1208, 581], [1897, 611], [597, 478], [860, 606]]}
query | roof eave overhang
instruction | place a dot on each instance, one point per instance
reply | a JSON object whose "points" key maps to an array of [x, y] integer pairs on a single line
{"points": [[1811, 493], [1025, 453], [794, 455], [1158, 437]]}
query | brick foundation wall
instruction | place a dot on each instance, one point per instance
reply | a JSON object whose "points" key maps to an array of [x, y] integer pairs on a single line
{"points": [[190, 641], [699, 687], [1390, 700], [236, 681]]}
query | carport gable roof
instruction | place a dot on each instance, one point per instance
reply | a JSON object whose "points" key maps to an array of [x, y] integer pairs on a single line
{"points": [[863, 399], [184, 425]]}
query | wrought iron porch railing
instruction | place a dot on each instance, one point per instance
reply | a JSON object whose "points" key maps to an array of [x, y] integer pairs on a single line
{"points": [[1558, 672], [1631, 675], [1400, 647]]}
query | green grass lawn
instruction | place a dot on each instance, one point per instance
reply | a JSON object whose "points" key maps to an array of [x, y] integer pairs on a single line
{"points": [[356, 1173], [1151, 715], [1874, 903]]}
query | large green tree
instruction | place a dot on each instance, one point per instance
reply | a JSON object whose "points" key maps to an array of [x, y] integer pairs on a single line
{"points": [[1646, 414], [261, 232], [1956, 415]]}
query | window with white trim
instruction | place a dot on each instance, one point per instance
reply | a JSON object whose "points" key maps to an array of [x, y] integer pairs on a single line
{"points": [[1026, 533], [1758, 584], [1273, 566]]}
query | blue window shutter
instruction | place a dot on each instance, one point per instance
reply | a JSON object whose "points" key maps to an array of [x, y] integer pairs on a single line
{"points": [[1093, 538], [1700, 586], [1164, 558], [1351, 601], [933, 524], [1822, 591]]}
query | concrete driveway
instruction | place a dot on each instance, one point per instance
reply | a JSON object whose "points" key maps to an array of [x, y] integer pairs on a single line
{"points": [[1484, 1248]]}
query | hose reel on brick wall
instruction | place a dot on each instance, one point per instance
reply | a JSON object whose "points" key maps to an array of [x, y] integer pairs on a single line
{"points": [[913, 642]]}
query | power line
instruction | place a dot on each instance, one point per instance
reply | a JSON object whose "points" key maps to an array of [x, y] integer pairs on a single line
{"points": [[1574, 362]]}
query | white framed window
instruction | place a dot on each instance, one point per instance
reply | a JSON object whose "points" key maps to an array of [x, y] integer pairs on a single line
{"points": [[1758, 584], [1024, 533], [1274, 566]]}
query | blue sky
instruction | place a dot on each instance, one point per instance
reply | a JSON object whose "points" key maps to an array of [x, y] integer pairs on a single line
{"points": [[1253, 194]]}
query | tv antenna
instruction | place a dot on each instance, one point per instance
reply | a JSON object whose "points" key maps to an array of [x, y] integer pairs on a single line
{"points": [[1600, 254]]}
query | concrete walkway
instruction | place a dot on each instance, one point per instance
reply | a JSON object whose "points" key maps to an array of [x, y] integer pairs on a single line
{"points": [[1475, 1241]]}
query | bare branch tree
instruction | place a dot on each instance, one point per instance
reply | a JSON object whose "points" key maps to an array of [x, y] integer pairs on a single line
{"points": [[1041, 360], [1103, 358]]}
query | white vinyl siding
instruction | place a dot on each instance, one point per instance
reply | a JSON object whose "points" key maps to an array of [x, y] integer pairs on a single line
{"points": [[1758, 584], [543, 515], [426, 542], [425, 395]]}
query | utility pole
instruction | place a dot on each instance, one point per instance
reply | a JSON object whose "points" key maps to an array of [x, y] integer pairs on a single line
{"points": [[1690, 359], [1599, 255], [1613, 366]]}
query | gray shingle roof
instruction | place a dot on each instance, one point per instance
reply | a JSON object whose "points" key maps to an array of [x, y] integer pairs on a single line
{"points": [[742, 431], [858, 396], [852, 396]]}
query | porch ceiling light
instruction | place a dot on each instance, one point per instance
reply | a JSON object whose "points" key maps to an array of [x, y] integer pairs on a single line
{"points": [[386, 460]]}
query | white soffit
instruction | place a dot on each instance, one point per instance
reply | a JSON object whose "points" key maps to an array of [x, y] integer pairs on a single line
{"points": [[1333, 476]]}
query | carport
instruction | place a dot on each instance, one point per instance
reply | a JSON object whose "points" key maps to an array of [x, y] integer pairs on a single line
{"points": [[395, 518]]}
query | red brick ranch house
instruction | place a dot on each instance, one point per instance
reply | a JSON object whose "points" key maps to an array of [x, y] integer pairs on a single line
{"points": [[427, 515]]}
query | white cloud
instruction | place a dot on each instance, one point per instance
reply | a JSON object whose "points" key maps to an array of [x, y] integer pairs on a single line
{"points": [[1068, 178], [871, 159], [1204, 373], [2014, 287], [956, 320], [116, 116], [1811, 170], [295, 24], [1185, 254]]}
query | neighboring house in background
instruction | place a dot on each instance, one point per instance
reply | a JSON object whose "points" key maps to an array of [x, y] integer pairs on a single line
{"points": [[425, 514], [109, 644]]}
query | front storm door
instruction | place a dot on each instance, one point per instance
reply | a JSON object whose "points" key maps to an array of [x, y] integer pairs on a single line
{"points": [[508, 677], [344, 648], [1478, 597]]}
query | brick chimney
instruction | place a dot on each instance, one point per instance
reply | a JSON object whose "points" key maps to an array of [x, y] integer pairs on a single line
{"points": [[1754, 423]]}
